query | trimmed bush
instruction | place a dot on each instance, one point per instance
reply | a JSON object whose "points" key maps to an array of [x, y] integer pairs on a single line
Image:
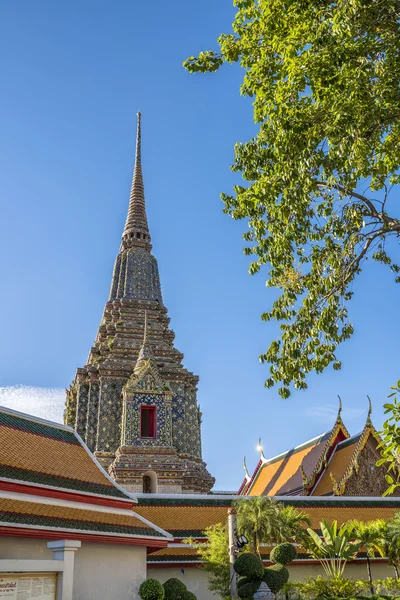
{"points": [[151, 590], [189, 596], [375, 597], [275, 577], [319, 587], [174, 589], [283, 554], [243, 581], [249, 588], [249, 565]]}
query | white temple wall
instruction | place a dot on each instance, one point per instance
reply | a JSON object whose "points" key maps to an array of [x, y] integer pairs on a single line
{"points": [[102, 571]]}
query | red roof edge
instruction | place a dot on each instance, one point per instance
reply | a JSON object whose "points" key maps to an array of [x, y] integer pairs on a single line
{"points": [[23, 488], [84, 537]]}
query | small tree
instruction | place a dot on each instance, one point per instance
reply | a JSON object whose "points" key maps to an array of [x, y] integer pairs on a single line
{"points": [[390, 444], [293, 521], [369, 535], [259, 520], [333, 549], [215, 558], [392, 537]]}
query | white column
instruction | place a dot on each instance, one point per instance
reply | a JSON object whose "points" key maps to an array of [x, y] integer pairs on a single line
{"points": [[65, 550], [232, 550]]}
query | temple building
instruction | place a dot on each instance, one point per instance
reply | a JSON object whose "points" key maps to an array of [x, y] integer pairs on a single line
{"points": [[332, 464], [133, 403]]}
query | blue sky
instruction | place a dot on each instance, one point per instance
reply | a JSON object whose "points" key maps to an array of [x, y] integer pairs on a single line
{"points": [[73, 75]]}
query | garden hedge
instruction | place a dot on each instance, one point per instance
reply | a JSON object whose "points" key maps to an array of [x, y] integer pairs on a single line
{"points": [[151, 589]]}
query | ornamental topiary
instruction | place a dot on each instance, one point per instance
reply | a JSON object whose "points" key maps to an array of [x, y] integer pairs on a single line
{"points": [[275, 577], [249, 565], [283, 554], [151, 590], [247, 588], [174, 589], [189, 596]]}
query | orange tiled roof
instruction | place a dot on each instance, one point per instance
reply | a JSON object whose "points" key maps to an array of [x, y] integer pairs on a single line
{"points": [[291, 471], [187, 521], [337, 466], [20, 512], [43, 453]]}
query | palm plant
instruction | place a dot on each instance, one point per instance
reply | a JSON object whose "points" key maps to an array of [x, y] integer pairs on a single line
{"points": [[259, 520], [371, 536], [333, 549], [293, 521], [392, 537]]}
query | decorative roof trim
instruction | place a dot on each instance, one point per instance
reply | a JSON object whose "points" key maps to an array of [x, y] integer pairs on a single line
{"points": [[310, 481], [142, 368], [339, 487]]}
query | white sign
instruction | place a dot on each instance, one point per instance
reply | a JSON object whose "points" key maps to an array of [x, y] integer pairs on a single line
{"points": [[22, 587]]}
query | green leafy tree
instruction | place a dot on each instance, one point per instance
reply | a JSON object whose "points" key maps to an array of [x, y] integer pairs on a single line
{"points": [[264, 520], [332, 549], [390, 444], [392, 537], [370, 535], [215, 558], [323, 76], [259, 520]]}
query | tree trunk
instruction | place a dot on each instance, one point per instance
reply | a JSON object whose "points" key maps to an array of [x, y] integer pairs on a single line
{"points": [[370, 575], [396, 570]]}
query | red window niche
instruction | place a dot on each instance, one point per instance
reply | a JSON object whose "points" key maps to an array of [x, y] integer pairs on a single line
{"points": [[148, 422]]}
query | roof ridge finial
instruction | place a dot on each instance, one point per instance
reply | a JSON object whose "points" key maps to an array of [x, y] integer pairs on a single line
{"points": [[245, 469], [260, 449], [136, 231], [339, 415], [369, 421]]}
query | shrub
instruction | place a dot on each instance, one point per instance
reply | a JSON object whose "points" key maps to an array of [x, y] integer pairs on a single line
{"points": [[318, 587], [289, 591], [387, 586], [283, 554], [189, 596], [247, 589], [249, 565], [275, 577], [174, 589], [151, 590]]}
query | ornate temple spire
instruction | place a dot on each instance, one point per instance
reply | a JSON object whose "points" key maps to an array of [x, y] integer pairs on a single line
{"points": [[136, 231]]}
